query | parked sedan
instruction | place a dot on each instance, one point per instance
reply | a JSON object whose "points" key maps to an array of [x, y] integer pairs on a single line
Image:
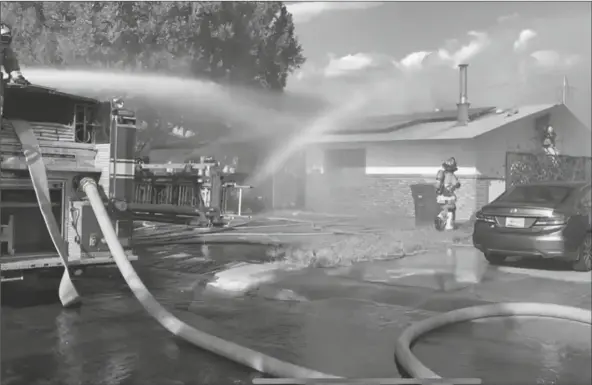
{"points": [[543, 220]]}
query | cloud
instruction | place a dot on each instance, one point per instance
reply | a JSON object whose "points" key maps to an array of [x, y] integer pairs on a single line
{"points": [[426, 77], [508, 18], [303, 12], [553, 60], [355, 64], [414, 61], [451, 55], [348, 63], [525, 36], [479, 41]]}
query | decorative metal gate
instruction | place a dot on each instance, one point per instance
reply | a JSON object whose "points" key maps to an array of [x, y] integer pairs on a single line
{"points": [[524, 168]]}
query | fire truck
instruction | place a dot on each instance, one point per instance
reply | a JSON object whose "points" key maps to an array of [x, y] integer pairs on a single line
{"points": [[78, 137], [82, 137]]}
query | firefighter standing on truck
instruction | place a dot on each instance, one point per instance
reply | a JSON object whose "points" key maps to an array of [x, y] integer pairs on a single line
{"points": [[447, 184], [9, 61]]}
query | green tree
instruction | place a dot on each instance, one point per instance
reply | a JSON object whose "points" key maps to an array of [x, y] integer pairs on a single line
{"points": [[248, 43]]}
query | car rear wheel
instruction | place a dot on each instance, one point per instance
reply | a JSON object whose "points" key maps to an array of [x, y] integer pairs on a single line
{"points": [[495, 259], [584, 261]]}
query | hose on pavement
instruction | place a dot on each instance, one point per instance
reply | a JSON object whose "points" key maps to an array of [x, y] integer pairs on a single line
{"points": [[248, 357], [275, 367], [414, 368]]}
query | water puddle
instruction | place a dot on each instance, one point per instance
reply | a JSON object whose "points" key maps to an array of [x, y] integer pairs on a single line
{"points": [[337, 324]]}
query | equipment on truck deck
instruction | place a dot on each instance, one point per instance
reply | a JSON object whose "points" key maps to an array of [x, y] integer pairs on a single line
{"points": [[71, 137], [182, 192]]}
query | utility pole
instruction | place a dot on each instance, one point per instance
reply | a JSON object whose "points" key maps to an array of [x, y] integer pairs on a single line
{"points": [[567, 91]]}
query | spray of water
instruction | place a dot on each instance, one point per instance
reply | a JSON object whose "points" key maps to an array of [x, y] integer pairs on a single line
{"points": [[248, 109], [319, 126]]}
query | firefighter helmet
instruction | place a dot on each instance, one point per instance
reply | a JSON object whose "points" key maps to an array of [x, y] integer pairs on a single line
{"points": [[450, 165], [5, 34]]}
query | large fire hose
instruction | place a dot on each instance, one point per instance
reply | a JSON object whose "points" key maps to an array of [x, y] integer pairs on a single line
{"points": [[258, 361], [67, 291], [413, 367], [266, 364]]}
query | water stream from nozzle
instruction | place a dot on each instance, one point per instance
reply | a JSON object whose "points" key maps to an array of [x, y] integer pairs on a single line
{"points": [[249, 109], [314, 130], [245, 108]]}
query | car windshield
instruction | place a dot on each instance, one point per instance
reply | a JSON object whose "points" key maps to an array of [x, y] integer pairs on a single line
{"points": [[537, 194]]}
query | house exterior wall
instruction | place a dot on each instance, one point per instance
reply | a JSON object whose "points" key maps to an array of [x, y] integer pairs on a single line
{"points": [[383, 186], [573, 138]]}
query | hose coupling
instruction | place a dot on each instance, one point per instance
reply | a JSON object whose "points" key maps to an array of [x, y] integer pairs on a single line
{"points": [[80, 182]]}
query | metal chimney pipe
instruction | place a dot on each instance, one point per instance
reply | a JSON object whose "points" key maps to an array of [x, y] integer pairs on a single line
{"points": [[463, 103], [464, 97]]}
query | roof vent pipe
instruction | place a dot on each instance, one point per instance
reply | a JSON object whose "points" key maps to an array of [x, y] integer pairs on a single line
{"points": [[463, 103]]}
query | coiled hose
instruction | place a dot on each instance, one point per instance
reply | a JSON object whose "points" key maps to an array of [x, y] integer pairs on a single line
{"points": [[413, 367], [266, 364]]}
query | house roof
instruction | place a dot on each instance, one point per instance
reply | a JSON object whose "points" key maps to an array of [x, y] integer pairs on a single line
{"points": [[434, 125], [484, 120], [392, 122]]}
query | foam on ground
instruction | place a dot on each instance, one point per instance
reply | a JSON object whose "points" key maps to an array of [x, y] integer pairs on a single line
{"points": [[247, 276]]}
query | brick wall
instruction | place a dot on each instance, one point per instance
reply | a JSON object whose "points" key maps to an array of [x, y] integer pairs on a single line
{"points": [[355, 193]]}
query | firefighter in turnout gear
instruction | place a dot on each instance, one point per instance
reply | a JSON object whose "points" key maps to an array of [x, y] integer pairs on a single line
{"points": [[549, 142], [9, 62], [8, 58], [447, 184]]}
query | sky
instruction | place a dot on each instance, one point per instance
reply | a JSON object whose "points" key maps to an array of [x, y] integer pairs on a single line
{"points": [[402, 57]]}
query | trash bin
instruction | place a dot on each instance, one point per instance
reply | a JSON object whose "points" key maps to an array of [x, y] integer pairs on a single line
{"points": [[426, 205]]}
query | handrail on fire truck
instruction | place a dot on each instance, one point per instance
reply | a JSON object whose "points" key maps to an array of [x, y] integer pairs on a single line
{"points": [[177, 166]]}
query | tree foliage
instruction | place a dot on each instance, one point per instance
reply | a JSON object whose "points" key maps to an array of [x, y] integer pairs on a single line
{"points": [[242, 43], [249, 43]]}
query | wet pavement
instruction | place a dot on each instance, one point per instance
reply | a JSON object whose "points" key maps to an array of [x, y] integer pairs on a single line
{"points": [[342, 321]]}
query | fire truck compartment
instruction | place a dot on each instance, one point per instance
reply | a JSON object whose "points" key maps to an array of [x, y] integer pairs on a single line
{"points": [[19, 208]]}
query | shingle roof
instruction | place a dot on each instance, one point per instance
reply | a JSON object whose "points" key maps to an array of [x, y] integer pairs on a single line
{"points": [[388, 123], [440, 130]]}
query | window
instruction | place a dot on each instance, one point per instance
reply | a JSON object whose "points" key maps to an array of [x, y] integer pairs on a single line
{"points": [[345, 159], [85, 123], [537, 194]]}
